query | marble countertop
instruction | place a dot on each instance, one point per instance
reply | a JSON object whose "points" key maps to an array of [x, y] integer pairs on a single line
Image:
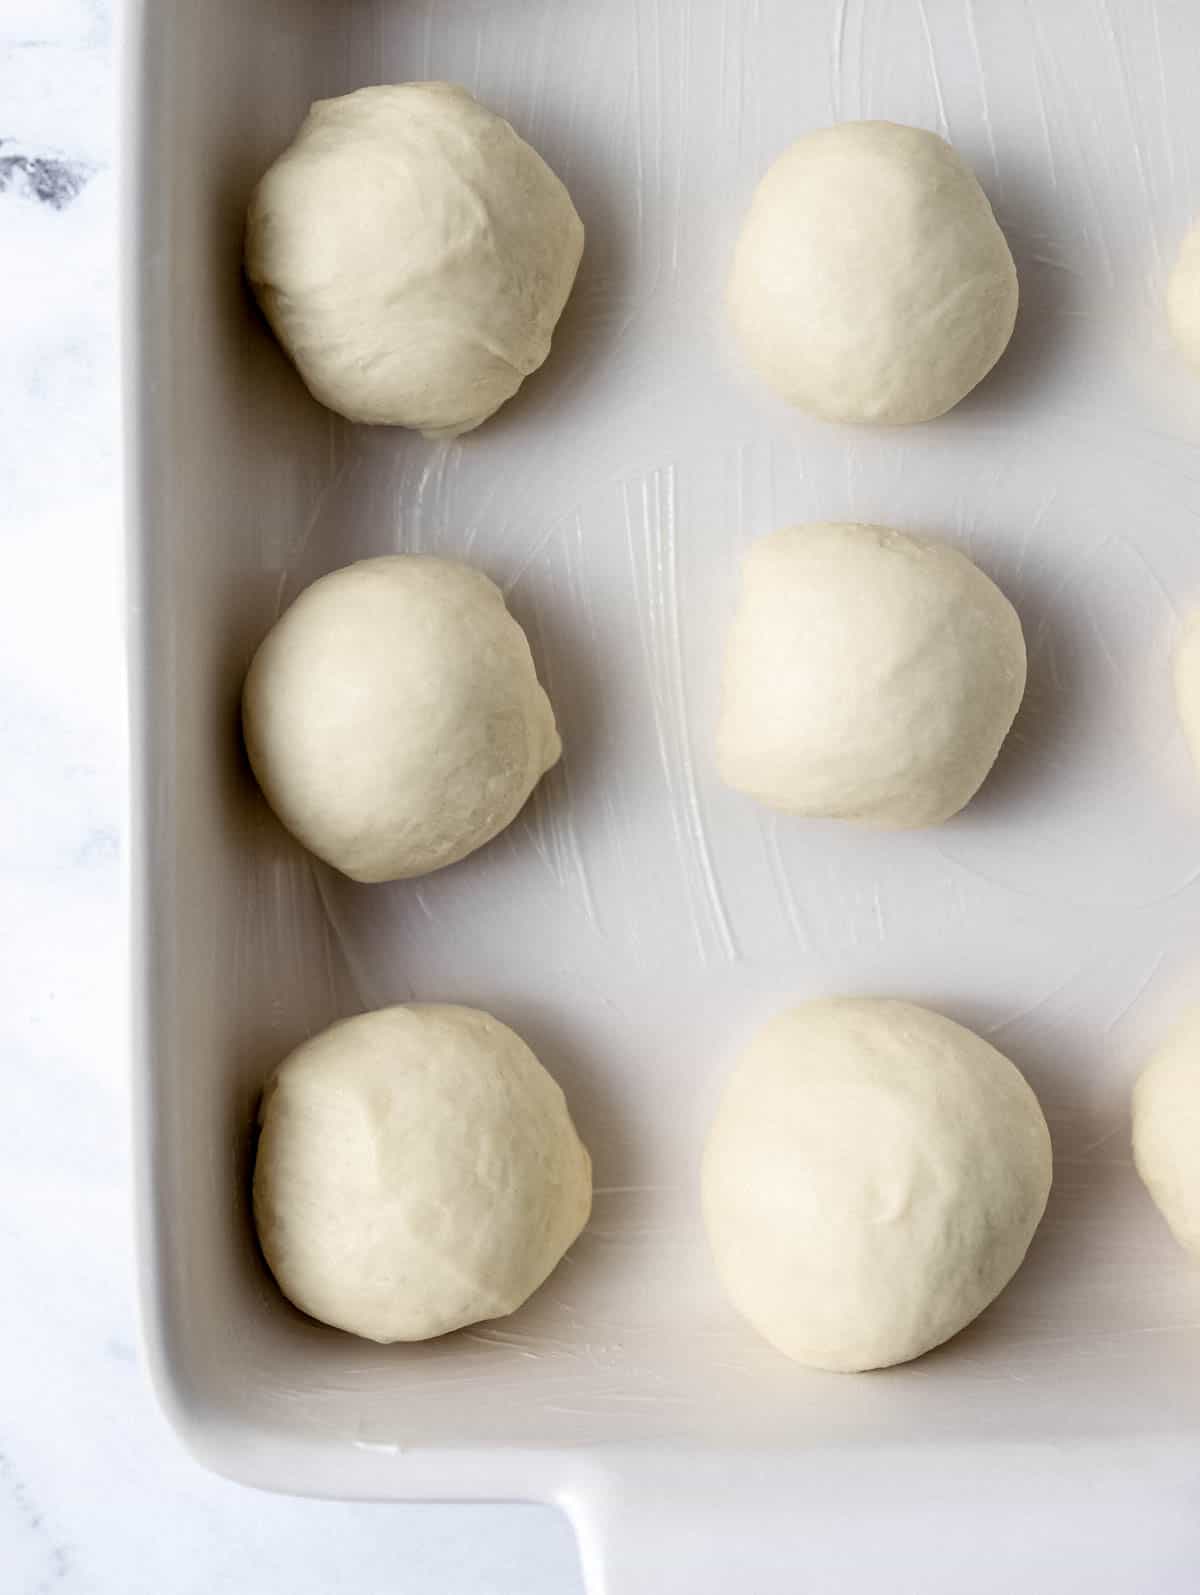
{"points": [[96, 1495]]}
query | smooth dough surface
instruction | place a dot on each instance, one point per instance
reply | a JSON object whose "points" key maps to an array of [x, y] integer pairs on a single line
{"points": [[871, 281], [393, 716], [413, 256], [1183, 297], [869, 676], [417, 1170], [1166, 1131], [872, 1180]]}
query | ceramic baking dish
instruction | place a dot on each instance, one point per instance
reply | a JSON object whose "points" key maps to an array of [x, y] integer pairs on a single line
{"points": [[638, 920]]}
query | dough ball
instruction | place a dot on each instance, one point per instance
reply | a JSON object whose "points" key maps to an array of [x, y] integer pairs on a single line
{"points": [[868, 676], [871, 281], [1183, 297], [413, 256], [1166, 1132], [1187, 684], [393, 716], [417, 1170], [872, 1180]]}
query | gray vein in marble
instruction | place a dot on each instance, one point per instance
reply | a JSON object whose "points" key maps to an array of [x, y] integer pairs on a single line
{"points": [[53, 180], [59, 1560]]}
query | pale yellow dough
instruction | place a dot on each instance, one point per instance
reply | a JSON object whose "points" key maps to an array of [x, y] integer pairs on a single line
{"points": [[869, 676], [417, 1171], [871, 281], [413, 256], [393, 716], [1166, 1131], [1183, 297], [871, 1181]]}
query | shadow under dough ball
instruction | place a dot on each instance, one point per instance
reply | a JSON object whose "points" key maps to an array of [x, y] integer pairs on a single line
{"points": [[413, 256], [871, 281]]}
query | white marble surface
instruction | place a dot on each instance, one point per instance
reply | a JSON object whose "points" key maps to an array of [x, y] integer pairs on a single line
{"points": [[95, 1494]]}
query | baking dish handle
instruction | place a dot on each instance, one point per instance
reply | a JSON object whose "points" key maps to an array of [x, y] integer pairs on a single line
{"points": [[990, 1520], [653, 1546]]}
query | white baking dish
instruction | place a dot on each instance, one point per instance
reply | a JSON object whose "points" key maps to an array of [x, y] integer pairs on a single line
{"points": [[638, 921]]}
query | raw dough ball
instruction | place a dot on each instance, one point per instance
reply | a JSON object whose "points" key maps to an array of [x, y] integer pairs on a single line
{"points": [[393, 716], [417, 1171], [868, 676], [871, 1182], [1183, 297], [871, 281], [1166, 1132], [413, 256], [1187, 684]]}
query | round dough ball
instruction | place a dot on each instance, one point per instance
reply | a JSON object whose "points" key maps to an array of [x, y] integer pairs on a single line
{"points": [[1183, 297], [393, 716], [871, 281], [868, 676], [1166, 1132], [417, 1170], [872, 1180], [413, 256]]}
